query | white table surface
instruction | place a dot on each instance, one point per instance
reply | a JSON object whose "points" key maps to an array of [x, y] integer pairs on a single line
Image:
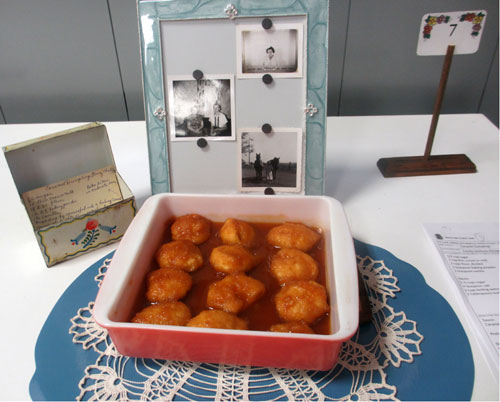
{"points": [[384, 212]]}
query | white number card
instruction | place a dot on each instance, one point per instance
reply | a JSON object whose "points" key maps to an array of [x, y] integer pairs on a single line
{"points": [[460, 28]]}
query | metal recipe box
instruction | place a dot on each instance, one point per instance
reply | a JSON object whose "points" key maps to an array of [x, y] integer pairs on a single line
{"points": [[59, 158]]}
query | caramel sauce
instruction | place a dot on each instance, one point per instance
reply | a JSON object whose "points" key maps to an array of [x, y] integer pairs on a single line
{"points": [[260, 315]]}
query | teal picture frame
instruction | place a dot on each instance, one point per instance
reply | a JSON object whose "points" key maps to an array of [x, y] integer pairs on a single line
{"points": [[150, 15]]}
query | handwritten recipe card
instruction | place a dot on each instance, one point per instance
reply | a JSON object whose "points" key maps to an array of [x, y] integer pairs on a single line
{"points": [[71, 198]]}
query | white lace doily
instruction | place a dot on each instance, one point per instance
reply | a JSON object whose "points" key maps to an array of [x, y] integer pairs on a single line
{"points": [[359, 373]]}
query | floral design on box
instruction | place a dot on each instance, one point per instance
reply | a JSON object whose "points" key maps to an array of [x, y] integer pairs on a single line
{"points": [[433, 20], [91, 232], [475, 19]]}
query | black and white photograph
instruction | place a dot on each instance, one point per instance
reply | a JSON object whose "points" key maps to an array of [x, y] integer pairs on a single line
{"points": [[201, 108], [271, 160], [276, 51]]}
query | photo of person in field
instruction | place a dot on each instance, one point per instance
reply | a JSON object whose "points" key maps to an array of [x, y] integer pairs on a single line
{"points": [[271, 160]]}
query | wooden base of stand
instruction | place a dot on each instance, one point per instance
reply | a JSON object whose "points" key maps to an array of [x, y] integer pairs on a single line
{"points": [[423, 166]]}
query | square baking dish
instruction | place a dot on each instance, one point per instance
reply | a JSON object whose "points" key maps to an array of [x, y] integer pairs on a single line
{"points": [[132, 261]]}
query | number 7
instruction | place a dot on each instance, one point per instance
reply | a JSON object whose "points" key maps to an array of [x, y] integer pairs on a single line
{"points": [[454, 27]]}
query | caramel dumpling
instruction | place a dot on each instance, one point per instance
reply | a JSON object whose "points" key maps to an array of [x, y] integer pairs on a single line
{"points": [[179, 254], [290, 264], [234, 293], [231, 259], [192, 227], [235, 231], [296, 327], [293, 235], [167, 284], [302, 301], [217, 319], [166, 313]]}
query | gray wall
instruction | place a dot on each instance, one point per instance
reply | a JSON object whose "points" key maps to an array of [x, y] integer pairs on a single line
{"points": [[74, 60]]}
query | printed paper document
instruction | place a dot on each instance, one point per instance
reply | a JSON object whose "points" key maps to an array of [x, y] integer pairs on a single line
{"points": [[470, 252]]}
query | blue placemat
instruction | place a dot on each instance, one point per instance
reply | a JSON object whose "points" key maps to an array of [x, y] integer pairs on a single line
{"points": [[414, 349]]}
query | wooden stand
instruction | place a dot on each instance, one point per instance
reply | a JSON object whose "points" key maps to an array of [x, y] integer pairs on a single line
{"points": [[427, 164]]}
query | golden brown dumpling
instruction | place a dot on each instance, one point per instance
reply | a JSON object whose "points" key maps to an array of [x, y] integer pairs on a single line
{"points": [[290, 264], [167, 284], [302, 301], [235, 231], [232, 259], [234, 293], [192, 227], [293, 235], [296, 327], [179, 254], [217, 319], [166, 313]]}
